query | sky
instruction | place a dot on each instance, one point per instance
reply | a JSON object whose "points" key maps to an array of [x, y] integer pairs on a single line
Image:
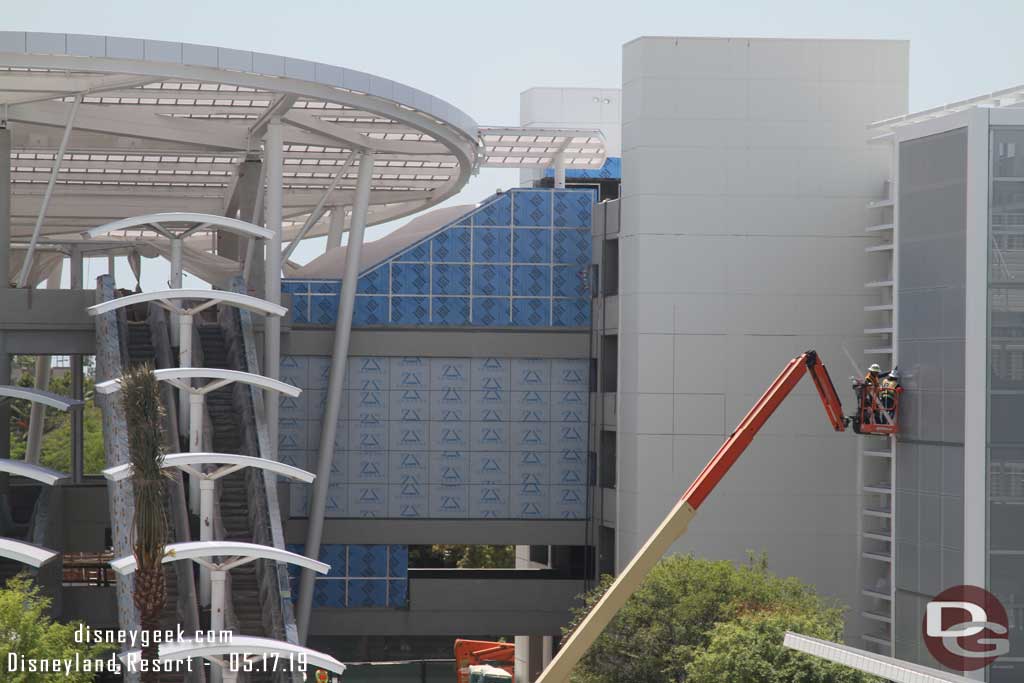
{"points": [[480, 55]]}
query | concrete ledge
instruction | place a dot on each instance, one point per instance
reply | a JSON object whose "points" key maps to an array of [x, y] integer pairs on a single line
{"points": [[442, 343], [47, 321], [446, 531], [461, 607]]}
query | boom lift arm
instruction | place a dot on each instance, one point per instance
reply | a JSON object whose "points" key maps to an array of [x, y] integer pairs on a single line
{"points": [[677, 521]]}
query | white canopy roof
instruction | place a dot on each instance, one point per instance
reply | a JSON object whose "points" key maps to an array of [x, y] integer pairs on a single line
{"points": [[120, 472], [26, 553], [165, 126], [20, 468], [207, 550], [176, 375], [207, 296], [46, 398]]}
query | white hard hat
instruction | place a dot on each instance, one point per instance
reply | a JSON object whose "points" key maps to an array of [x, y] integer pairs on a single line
{"points": [[874, 368], [894, 373]]}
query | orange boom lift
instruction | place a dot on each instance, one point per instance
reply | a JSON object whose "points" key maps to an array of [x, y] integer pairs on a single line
{"points": [[870, 419], [470, 652]]}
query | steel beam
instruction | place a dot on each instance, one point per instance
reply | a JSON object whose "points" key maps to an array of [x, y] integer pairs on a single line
{"points": [[337, 227], [335, 384], [273, 212]]}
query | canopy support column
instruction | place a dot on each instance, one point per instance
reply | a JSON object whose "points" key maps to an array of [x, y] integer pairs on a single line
{"points": [[58, 159], [206, 502], [560, 171], [218, 594], [339, 361], [274, 160], [5, 206], [196, 403]]}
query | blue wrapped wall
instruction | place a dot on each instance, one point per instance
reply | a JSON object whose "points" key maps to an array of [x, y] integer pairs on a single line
{"points": [[444, 437], [360, 576], [521, 259]]}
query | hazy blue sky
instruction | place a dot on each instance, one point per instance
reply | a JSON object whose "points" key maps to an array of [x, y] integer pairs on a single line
{"points": [[480, 55]]}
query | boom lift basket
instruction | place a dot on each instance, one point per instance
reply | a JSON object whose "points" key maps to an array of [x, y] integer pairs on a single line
{"points": [[878, 409]]}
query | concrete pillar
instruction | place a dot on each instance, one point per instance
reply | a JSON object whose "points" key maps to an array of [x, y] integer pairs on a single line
{"points": [[339, 362], [230, 245], [37, 414], [5, 205], [337, 227], [77, 384], [5, 282], [274, 156]]}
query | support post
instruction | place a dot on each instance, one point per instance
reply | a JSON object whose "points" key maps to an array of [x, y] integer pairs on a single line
{"points": [[58, 159], [196, 402], [5, 282], [5, 206], [339, 361], [185, 340], [560, 170], [175, 283], [207, 488], [274, 156], [218, 593]]}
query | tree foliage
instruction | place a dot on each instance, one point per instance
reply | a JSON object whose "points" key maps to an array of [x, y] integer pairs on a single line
{"points": [[29, 632], [55, 452], [462, 556], [702, 621]]}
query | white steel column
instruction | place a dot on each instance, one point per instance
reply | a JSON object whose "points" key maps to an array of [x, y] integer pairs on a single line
{"points": [[5, 206], [218, 595], [58, 158], [339, 360], [207, 595], [196, 403], [560, 170], [37, 414], [274, 165]]}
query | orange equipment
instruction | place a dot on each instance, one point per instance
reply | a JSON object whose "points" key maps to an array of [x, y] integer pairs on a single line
{"points": [[877, 407], [677, 521], [470, 652]]}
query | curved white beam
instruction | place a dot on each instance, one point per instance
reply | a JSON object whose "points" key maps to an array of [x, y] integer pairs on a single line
{"points": [[46, 398], [209, 220], [168, 374], [21, 468], [215, 296], [207, 550], [121, 472], [251, 646], [26, 553]]}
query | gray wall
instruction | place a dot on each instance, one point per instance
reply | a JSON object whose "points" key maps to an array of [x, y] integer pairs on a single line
{"points": [[746, 179], [930, 336], [1006, 388]]}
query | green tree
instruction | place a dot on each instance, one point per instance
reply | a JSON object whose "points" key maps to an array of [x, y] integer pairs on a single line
{"points": [[56, 446], [749, 650], [692, 618], [462, 556], [30, 633]]}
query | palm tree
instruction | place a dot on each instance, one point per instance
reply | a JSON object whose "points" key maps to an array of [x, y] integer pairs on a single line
{"points": [[144, 414]]}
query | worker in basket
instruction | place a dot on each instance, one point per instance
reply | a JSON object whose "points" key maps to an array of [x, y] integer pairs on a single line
{"points": [[886, 393], [867, 391]]}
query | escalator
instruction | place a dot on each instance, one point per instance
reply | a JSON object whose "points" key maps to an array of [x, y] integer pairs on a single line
{"points": [[234, 503], [248, 510]]}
